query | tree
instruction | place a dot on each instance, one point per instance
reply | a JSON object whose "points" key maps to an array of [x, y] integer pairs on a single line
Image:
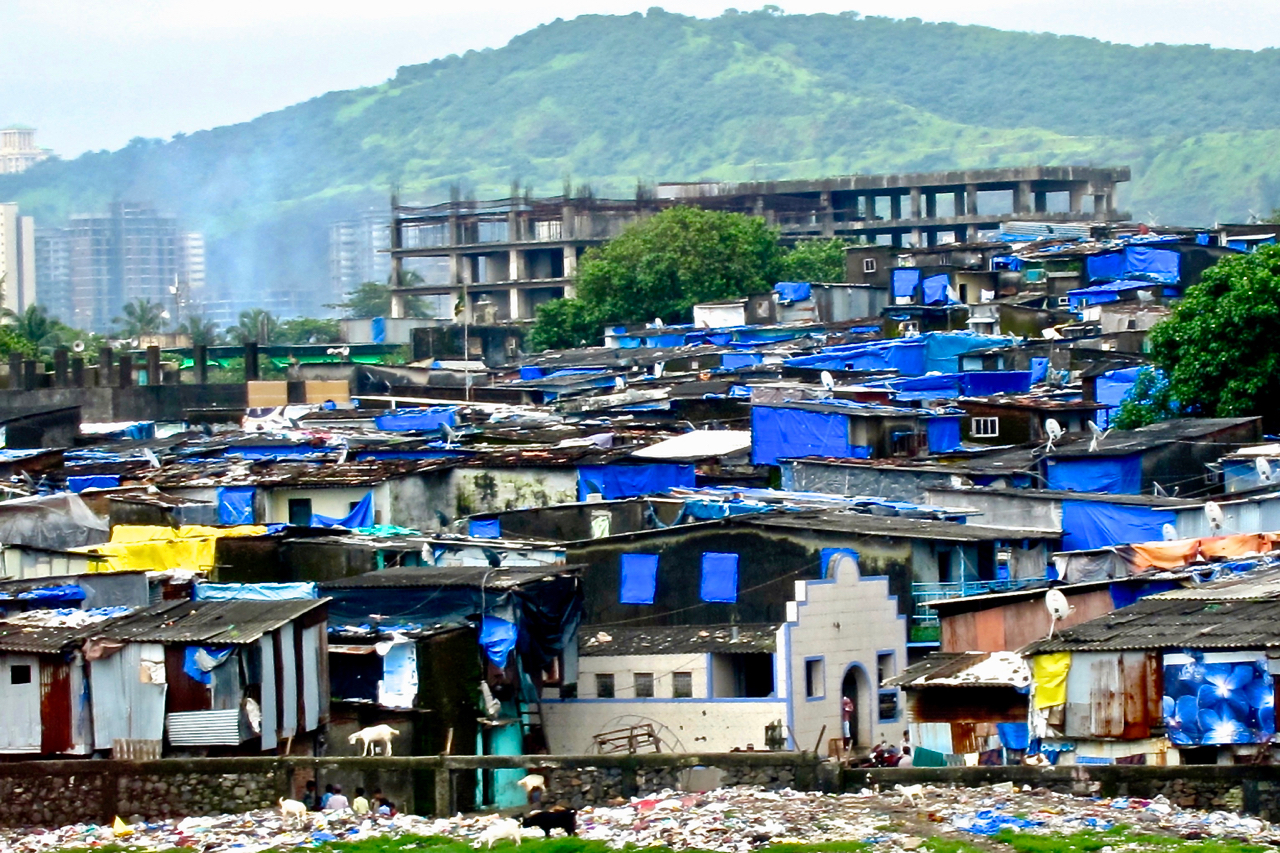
{"points": [[815, 260], [373, 299], [140, 318], [563, 324], [307, 330], [1220, 347], [256, 324], [203, 332], [1149, 400]]}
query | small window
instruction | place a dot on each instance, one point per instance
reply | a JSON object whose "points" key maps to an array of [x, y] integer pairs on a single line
{"points": [[814, 681], [604, 685], [868, 265], [985, 427], [20, 674], [300, 512], [644, 685], [682, 685], [885, 667], [888, 705]]}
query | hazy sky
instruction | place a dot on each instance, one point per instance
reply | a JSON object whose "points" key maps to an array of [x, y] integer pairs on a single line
{"points": [[93, 75]]}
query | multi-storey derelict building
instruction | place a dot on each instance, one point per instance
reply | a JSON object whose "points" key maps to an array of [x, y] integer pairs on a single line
{"points": [[504, 257]]}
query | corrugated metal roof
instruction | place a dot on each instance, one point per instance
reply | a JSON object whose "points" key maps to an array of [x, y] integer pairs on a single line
{"points": [[688, 639], [204, 728], [428, 576], [233, 622], [43, 632], [965, 669]]}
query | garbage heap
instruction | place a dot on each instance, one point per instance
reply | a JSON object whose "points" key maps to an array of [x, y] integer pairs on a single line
{"points": [[734, 820]]}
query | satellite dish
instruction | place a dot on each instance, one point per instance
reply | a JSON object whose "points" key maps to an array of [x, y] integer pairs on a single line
{"points": [[1051, 334], [1098, 435], [1054, 430], [342, 454], [828, 381], [78, 346], [1159, 490], [1213, 514], [1169, 533], [1058, 606], [1265, 473], [449, 435], [152, 459], [657, 323], [658, 367], [620, 383]]}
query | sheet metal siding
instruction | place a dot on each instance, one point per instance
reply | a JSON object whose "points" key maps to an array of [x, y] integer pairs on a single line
{"points": [[81, 708], [288, 680], [185, 693], [1142, 694], [1106, 706], [270, 715], [55, 706], [227, 688], [310, 641], [20, 722], [205, 728], [124, 708]]}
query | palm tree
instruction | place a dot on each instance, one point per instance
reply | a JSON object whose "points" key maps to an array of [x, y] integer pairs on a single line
{"points": [[203, 332], [141, 318], [37, 326], [256, 324]]}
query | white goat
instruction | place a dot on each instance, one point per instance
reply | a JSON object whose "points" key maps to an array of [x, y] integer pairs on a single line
{"points": [[292, 809], [909, 793], [374, 734], [498, 830]]}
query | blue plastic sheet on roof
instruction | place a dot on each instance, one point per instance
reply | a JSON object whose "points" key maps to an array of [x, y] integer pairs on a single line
{"points": [[1124, 594], [1108, 266], [255, 591], [274, 451], [378, 330], [1006, 262], [639, 581], [1218, 703], [1114, 475], [904, 281], [235, 505], [529, 371], [361, 515], [984, 383], [1013, 735], [1039, 370], [719, 577], [778, 433], [1110, 389], [94, 481], [734, 360], [792, 291], [944, 433], [485, 528], [1095, 524], [418, 420], [629, 481], [199, 661], [934, 289], [1134, 262], [944, 351], [498, 638], [577, 371], [69, 592], [668, 340]]}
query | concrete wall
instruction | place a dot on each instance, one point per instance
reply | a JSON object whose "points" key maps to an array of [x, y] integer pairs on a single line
{"points": [[483, 490], [845, 621], [324, 501], [624, 667], [716, 725], [1002, 509]]}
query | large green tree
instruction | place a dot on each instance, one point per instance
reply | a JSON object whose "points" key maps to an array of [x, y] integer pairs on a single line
{"points": [[1221, 346], [256, 324], [140, 318], [660, 268], [373, 299], [815, 260]]}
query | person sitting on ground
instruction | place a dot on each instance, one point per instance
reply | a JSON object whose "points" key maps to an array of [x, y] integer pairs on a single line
{"points": [[324, 799], [337, 801], [360, 805], [309, 796], [382, 805]]}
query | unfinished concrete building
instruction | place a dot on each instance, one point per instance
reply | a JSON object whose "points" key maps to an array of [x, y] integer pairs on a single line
{"points": [[502, 258]]}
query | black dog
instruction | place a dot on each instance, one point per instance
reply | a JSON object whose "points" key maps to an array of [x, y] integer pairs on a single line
{"points": [[565, 819]]}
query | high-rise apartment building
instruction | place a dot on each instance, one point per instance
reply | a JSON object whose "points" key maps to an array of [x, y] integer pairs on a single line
{"points": [[53, 272], [17, 259], [18, 150], [358, 252]]}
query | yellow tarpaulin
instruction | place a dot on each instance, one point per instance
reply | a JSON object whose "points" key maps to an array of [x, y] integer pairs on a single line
{"points": [[1050, 674], [137, 547]]}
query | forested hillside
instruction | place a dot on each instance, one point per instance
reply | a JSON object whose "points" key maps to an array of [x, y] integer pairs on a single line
{"points": [[609, 100]]}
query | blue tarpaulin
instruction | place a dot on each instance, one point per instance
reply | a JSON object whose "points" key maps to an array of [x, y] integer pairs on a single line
{"points": [[629, 481], [361, 515], [69, 592], [498, 638], [935, 289], [985, 383], [1039, 370], [199, 661], [719, 577], [944, 433], [418, 420], [826, 554], [734, 360], [778, 433], [792, 291], [1013, 735], [639, 579], [255, 591], [485, 528], [235, 505], [1134, 262], [904, 282], [1124, 594], [1095, 524], [93, 481], [529, 371], [1110, 390], [1114, 475], [378, 330]]}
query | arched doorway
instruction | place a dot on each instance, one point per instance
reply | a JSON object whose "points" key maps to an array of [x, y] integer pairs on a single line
{"points": [[856, 707]]}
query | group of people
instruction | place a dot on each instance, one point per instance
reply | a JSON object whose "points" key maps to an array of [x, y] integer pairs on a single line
{"points": [[333, 800], [886, 754]]}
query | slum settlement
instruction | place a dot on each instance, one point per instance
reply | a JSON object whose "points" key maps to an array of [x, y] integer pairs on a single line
{"points": [[889, 510]]}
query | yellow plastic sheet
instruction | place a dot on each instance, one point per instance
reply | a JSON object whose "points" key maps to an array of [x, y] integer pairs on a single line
{"points": [[1050, 674], [137, 547]]}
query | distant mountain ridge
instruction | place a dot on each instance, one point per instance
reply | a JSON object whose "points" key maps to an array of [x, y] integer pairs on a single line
{"points": [[607, 101]]}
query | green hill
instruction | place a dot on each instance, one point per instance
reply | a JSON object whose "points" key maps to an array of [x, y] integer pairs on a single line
{"points": [[609, 100]]}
